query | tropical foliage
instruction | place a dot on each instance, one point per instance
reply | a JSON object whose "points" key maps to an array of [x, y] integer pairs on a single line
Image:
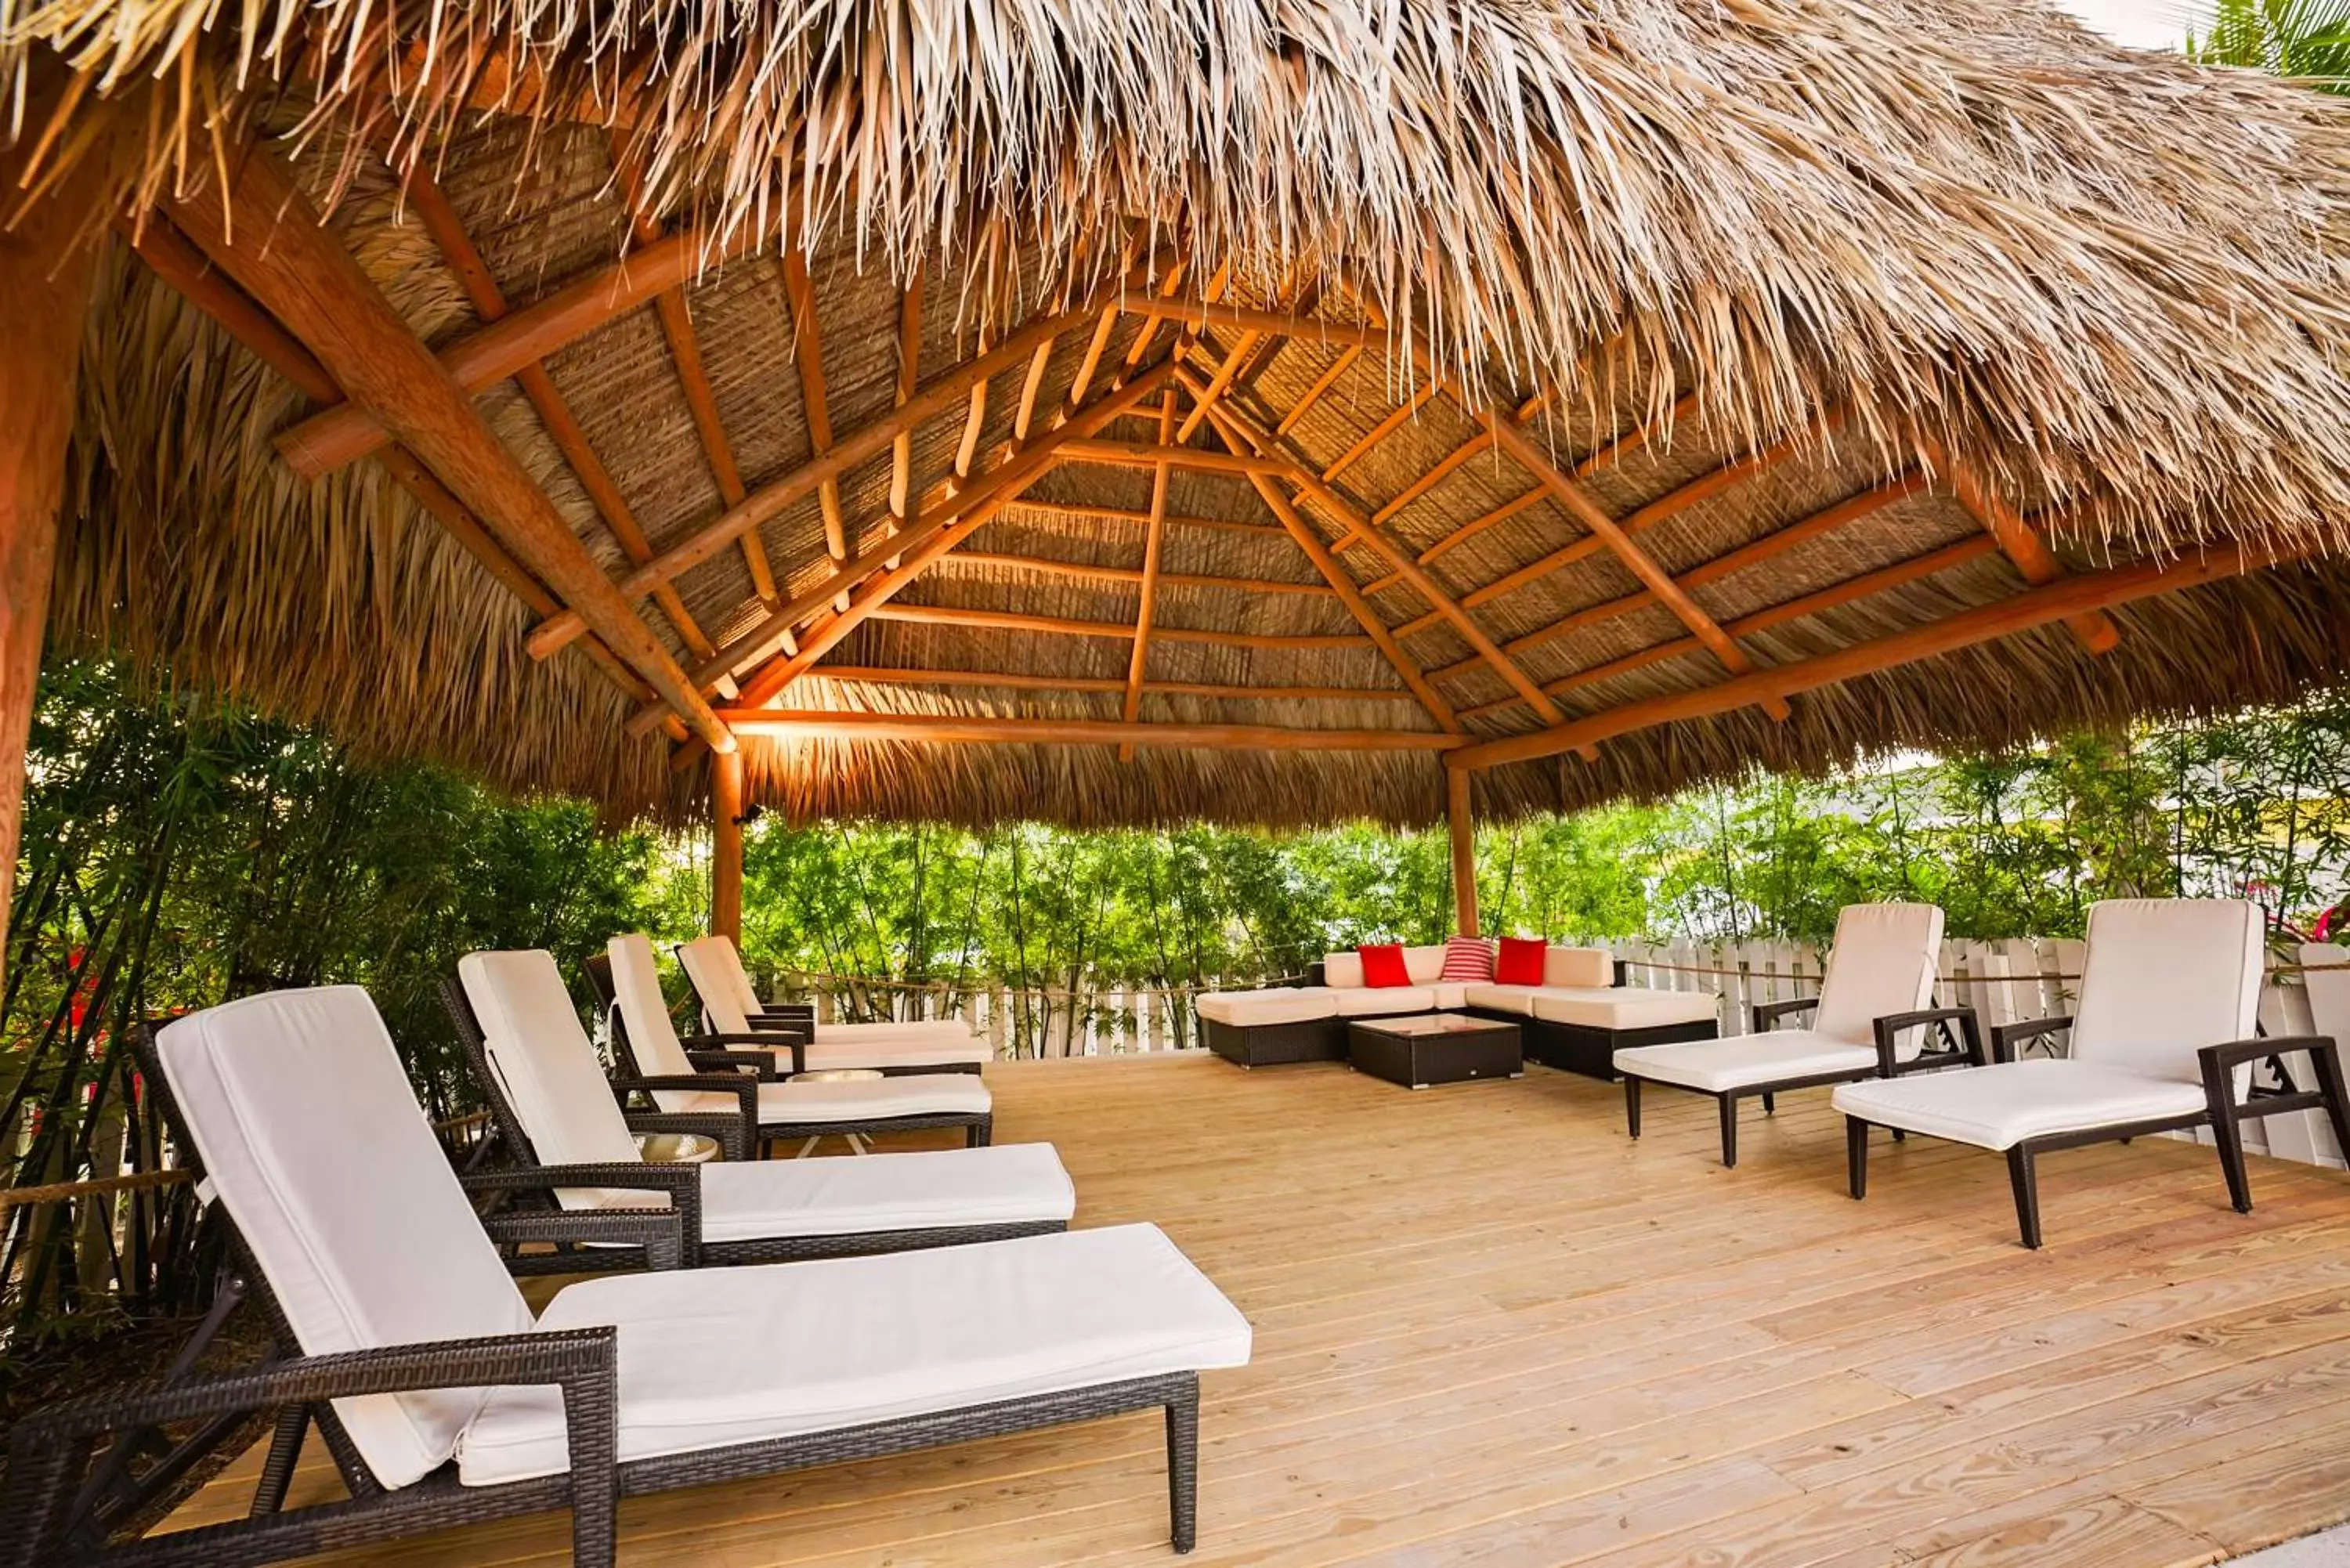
{"points": [[2308, 39]]}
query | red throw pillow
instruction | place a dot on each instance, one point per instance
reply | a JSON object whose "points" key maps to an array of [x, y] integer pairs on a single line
{"points": [[1521, 962], [1383, 964]]}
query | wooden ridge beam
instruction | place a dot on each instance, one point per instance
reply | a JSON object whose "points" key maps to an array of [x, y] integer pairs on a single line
{"points": [[175, 259], [1116, 630], [1153, 538], [1243, 433], [2022, 545], [333, 437], [432, 209], [770, 499], [262, 232], [1654, 578], [953, 517], [943, 731], [2027, 611], [1109, 685], [1778, 541]]}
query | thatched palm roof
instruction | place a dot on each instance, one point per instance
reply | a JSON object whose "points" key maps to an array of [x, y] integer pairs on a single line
{"points": [[1834, 322]]}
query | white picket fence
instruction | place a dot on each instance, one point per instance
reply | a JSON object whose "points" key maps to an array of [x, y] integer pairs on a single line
{"points": [[2003, 982]]}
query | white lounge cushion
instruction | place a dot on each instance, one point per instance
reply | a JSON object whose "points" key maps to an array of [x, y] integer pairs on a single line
{"points": [[855, 1099], [2163, 979], [1382, 1001], [1275, 1004], [1626, 1007], [1577, 967], [833, 1056], [312, 1139], [1716, 1067], [2001, 1105], [1882, 962], [722, 1356], [930, 1033], [1010, 1183], [720, 983]]}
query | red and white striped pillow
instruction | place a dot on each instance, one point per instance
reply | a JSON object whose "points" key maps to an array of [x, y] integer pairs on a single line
{"points": [[1467, 960]]}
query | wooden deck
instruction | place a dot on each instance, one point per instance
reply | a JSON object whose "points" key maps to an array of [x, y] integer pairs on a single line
{"points": [[1491, 1329]]}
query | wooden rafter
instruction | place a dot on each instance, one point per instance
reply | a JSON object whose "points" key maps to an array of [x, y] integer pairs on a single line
{"points": [[1245, 434], [1122, 453], [440, 219], [1133, 575], [1116, 630], [261, 230], [770, 499], [807, 354], [1108, 685], [938, 731], [910, 366], [331, 438], [1153, 540], [2023, 547], [1654, 578], [1778, 541], [2026, 611], [1140, 516]]}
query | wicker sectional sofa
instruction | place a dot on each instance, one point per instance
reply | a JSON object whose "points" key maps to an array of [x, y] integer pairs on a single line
{"points": [[1576, 1019]]}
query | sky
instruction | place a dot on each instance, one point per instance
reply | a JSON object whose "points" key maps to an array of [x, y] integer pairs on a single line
{"points": [[2142, 24]]}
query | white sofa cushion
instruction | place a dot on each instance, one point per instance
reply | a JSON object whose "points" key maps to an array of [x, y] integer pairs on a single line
{"points": [[1517, 999], [2164, 978], [1342, 970], [1448, 995], [1382, 1001], [1010, 1183], [1883, 962], [312, 1139], [2001, 1105], [722, 1356], [1589, 968], [1716, 1067], [548, 1069], [1424, 965], [1275, 1004], [1626, 1007]]}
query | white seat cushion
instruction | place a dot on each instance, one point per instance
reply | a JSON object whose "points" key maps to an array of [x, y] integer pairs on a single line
{"points": [[1275, 1005], [1448, 995], [721, 1356], [940, 1094], [1589, 968], [1716, 1067], [1626, 1007], [1382, 1001], [2001, 1105], [1010, 1183], [1517, 999], [933, 1032], [906, 1051]]}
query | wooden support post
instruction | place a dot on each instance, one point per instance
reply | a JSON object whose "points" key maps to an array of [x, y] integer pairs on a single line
{"points": [[45, 279], [1150, 554], [1464, 851], [726, 847]]}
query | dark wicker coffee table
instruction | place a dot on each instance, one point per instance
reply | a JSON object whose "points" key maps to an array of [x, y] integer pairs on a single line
{"points": [[1435, 1048]]}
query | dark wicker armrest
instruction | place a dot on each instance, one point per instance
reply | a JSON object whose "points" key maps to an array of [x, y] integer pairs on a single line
{"points": [[759, 1063], [766, 1043], [1768, 1014], [1890, 1026], [2006, 1037], [2220, 1063], [671, 1237]]}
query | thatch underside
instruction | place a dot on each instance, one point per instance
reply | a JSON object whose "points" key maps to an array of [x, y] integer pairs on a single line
{"points": [[1852, 319]]}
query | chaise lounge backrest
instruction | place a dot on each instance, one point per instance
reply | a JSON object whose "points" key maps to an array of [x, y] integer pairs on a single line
{"points": [[644, 1014], [1883, 962], [546, 1067], [312, 1139], [2163, 979], [728, 998]]}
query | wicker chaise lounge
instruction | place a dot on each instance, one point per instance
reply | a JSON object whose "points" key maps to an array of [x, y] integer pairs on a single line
{"points": [[1870, 1017], [517, 994], [732, 1006], [554, 1108], [2162, 1040], [444, 1400]]}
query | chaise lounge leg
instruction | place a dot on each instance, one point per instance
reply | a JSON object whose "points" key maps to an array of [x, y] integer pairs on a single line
{"points": [[981, 1132], [2337, 1103], [1855, 1156], [1632, 1105], [1770, 1103], [2026, 1178], [2228, 1134], [1183, 1466], [1730, 1131]]}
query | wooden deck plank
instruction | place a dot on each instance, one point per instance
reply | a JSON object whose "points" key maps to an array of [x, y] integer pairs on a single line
{"points": [[1493, 1329]]}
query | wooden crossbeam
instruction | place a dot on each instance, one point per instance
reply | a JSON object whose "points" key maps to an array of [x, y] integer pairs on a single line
{"points": [[2022, 545], [259, 227], [1153, 539], [1117, 631], [769, 500], [1247, 434], [1204, 313], [1778, 541], [331, 438], [1133, 575], [440, 219], [823, 724], [1108, 685], [2026, 611], [1140, 515], [1152, 453], [1884, 579], [1654, 578]]}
